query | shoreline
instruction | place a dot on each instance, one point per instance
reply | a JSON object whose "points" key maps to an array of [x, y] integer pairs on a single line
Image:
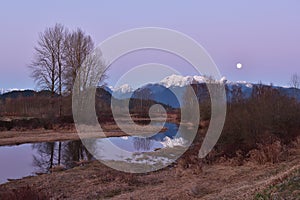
{"points": [[14, 137], [224, 179], [215, 181]]}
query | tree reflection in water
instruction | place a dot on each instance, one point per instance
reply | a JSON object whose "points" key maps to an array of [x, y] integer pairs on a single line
{"points": [[69, 153], [66, 154], [45, 159], [142, 144]]}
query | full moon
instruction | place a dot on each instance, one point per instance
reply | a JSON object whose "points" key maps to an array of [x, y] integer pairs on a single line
{"points": [[239, 65]]}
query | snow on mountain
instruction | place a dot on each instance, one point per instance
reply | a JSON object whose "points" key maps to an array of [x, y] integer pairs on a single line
{"points": [[236, 83], [181, 81], [170, 90], [176, 80], [2, 90], [123, 88], [123, 91]]}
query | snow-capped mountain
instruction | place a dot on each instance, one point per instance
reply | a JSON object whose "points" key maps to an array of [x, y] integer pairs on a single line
{"points": [[177, 80], [123, 88], [2, 90], [181, 81], [165, 90], [239, 83], [170, 90], [123, 91]]}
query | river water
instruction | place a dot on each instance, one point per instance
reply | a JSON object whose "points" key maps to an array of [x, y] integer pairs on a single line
{"points": [[28, 159]]}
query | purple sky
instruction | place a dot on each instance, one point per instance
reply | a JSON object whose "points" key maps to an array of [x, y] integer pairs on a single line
{"points": [[263, 35]]}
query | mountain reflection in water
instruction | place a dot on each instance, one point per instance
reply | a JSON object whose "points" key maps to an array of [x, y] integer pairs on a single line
{"points": [[28, 159]]}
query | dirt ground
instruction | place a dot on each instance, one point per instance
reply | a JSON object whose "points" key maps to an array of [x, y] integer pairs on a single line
{"points": [[94, 180]]}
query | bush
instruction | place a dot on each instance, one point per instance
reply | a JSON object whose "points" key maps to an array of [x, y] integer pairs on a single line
{"points": [[259, 126], [267, 153]]}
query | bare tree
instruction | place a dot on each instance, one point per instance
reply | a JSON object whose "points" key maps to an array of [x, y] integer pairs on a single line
{"points": [[91, 73], [61, 56], [78, 46], [295, 81], [58, 34], [43, 65], [47, 65], [58, 57]]}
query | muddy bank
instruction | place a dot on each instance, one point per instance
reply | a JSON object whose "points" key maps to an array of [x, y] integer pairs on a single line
{"points": [[33, 130], [41, 135], [67, 122]]}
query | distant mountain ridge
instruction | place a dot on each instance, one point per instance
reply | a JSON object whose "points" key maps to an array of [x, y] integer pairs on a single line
{"points": [[181, 81], [3, 90], [25, 93], [163, 90]]}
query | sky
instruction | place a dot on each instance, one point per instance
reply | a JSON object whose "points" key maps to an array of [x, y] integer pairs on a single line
{"points": [[262, 35]]}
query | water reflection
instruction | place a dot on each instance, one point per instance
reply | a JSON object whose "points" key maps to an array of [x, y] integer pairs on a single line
{"points": [[142, 144], [68, 154], [28, 159], [171, 132], [51, 154]]}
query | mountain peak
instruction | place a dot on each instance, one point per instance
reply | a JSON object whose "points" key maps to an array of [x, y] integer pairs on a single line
{"points": [[123, 88], [181, 81], [177, 80]]}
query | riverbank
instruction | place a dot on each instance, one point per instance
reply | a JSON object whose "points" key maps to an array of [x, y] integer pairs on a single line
{"points": [[67, 131], [61, 134], [94, 180], [225, 179]]}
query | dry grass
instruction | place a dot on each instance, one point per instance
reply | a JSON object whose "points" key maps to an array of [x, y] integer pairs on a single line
{"points": [[271, 153], [217, 181], [23, 193]]}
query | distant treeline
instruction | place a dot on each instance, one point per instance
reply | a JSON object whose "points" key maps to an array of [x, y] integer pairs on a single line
{"points": [[263, 123], [29, 103], [44, 107]]}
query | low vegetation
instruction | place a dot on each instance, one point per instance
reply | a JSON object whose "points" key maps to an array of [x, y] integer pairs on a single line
{"points": [[287, 189]]}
